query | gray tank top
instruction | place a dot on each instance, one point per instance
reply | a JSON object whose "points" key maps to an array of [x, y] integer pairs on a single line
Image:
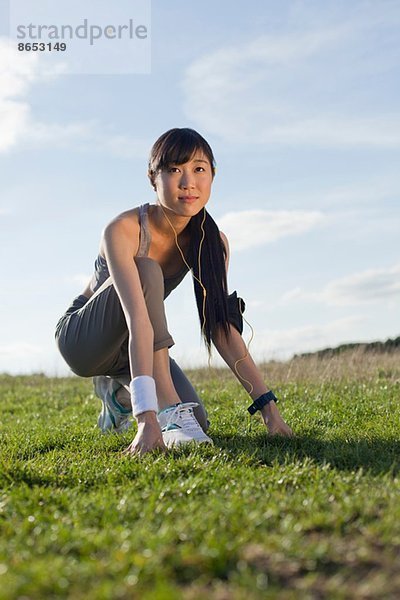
{"points": [[101, 272]]}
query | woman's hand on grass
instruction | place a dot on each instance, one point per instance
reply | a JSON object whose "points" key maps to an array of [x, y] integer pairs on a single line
{"points": [[148, 436], [274, 422]]}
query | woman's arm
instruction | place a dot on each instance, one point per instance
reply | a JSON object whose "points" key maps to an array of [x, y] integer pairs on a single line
{"points": [[234, 349], [119, 248], [121, 238]]}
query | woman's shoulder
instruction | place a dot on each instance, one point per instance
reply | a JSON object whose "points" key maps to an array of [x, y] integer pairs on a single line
{"points": [[129, 218], [130, 215], [127, 221]]}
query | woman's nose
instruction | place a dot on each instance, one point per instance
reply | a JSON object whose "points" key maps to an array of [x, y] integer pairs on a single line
{"points": [[186, 180]]}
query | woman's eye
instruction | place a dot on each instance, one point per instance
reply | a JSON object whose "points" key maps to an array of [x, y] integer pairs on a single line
{"points": [[177, 170]]}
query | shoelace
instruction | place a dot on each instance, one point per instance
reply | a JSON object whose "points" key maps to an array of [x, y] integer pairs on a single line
{"points": [[184, 413]]}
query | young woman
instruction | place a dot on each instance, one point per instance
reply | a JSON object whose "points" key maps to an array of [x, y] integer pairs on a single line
{"points": [[116, 330]]}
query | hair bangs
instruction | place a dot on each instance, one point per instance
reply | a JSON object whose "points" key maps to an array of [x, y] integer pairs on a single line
{"points": [[176, 147]]}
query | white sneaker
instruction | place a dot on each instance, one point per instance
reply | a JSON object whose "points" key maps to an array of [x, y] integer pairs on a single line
{"points": [[113, 416], [180, 426]]}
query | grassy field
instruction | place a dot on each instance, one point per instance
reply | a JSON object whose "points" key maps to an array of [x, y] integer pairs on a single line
{"points": [[317, 516]]}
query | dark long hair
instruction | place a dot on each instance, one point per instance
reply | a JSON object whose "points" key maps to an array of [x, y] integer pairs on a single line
{"points": [[177, 146]]}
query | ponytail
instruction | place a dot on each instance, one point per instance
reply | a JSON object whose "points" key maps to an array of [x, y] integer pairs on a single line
{"points": [[213, 276]]}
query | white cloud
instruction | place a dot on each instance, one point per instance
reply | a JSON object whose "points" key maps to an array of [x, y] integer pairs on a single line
{"points": [[283, 343], [353, 197], [252, 228], [19, 72], [18, 350], [271, 90], [293, 295], [80, 279], [280, 344], [4, 212], [368, 286], [370, 190], [338, 131], [86, 136]]}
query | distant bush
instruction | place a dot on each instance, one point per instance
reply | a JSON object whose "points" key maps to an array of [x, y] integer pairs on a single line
{"points": [[390, 345]]}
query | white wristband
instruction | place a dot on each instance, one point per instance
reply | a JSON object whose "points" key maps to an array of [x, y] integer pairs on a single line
{"points": [[143, 394]]}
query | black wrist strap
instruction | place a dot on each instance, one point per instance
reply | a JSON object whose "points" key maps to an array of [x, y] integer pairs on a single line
{"points": [[261, 402]]}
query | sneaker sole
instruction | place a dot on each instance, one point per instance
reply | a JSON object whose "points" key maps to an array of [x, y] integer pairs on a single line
{"points": [[105, 421], [172, 440], [106, 425]]}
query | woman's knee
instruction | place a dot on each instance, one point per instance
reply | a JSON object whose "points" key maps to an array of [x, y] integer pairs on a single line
{"points": [[80, 367], [74, 357], [81, 371]]}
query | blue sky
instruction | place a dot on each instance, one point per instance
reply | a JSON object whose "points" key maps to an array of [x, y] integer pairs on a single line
{"points": [[300, 102]]}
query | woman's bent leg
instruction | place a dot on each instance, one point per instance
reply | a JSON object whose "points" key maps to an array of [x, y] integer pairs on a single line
{"points": [[187, 393], [181, 385], [94, 339], [167, 394]]}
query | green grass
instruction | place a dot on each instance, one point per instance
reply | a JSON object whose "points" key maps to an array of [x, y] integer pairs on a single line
{"points": [[317, 516]]}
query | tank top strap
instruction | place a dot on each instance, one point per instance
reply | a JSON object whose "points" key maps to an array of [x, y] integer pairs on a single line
{"points": [[145, 235]]}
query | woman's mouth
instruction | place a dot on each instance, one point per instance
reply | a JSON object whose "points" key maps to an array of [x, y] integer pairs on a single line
{"points": [[188, 199]]}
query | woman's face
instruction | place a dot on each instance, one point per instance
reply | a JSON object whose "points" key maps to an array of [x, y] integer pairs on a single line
{"points": [[185, 189]]}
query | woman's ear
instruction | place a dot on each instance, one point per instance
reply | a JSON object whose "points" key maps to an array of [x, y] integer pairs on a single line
{"points": [[153, 185]]}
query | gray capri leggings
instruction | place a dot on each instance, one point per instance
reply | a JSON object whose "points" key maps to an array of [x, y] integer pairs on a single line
{"points": [[92, 335]]}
